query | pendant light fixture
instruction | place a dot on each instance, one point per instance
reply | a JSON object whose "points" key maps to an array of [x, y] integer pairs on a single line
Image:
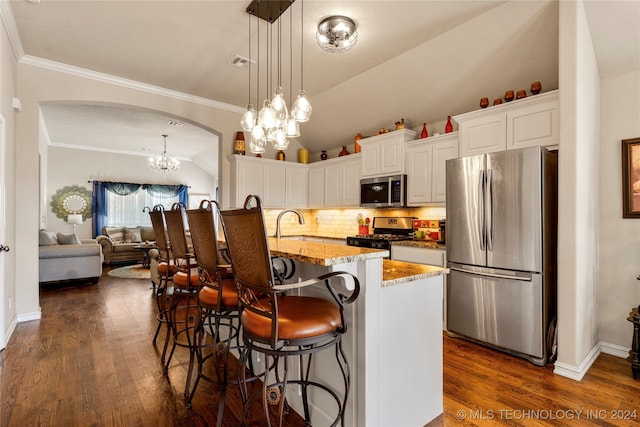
{"points": [[164, 163], [275, 122]]}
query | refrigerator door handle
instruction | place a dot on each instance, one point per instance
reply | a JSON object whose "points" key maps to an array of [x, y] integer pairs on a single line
{"points": [[494, 275], [490, 222], [481, 229]]}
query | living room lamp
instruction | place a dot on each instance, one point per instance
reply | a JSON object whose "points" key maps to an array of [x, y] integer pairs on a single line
{"points": [[74, 219]]}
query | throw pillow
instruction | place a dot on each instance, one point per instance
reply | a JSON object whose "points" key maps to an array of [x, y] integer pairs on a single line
{"points": [[68, 239], [132, 235], [115, 233], [47, 238], [146, 233]]}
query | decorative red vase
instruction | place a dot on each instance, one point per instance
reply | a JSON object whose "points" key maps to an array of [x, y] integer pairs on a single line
{"points": [[424, 133], [344, 151], [449, 127]]}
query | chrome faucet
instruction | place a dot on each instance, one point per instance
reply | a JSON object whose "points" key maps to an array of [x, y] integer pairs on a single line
{"points": [[300, 219]]}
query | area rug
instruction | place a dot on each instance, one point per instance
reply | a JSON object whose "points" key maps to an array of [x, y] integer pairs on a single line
{"points": [[136, 271]]}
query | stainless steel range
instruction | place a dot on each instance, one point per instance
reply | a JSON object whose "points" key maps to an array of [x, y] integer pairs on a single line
{"points": [[385, 230]]}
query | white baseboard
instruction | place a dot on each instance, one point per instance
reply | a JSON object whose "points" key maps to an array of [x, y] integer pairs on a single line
{"points": [[614, 349], [9, 332], [578, 372], [26, 317]]}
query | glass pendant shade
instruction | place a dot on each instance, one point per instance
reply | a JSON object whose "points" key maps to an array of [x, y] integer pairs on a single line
{"points": [[266, 118], [292, 127], [271, 135], [280, 142], [301, 109], [258, 140], [279, 106], [248, 120]]}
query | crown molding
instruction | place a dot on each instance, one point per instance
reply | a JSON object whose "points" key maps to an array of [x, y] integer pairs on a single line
{"points": [[130, 84], [11, 28], [110, 150]]}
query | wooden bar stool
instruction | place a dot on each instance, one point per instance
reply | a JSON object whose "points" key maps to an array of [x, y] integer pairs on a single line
{"points": [[280, 325], [166, 269], [217, 330], [183, 309]]}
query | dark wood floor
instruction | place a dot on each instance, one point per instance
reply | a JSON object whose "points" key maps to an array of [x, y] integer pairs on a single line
{"points": [[90, 361]]}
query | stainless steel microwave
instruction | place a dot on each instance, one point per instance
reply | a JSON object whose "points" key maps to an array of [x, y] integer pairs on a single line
{"points": [[383, 192]]}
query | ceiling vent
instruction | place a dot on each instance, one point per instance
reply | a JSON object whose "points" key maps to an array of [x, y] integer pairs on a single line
{"points": [[240, 62]]}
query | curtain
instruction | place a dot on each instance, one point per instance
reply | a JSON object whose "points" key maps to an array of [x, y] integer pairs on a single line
{"points": [[99, 199], [99, 206], [182, 191], [122, 188]]}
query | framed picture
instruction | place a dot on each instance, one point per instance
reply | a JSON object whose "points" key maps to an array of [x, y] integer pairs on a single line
{"points": [[631, 178], [196, 198]]}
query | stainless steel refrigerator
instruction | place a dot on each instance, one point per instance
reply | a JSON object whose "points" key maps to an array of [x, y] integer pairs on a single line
{"points": [[501, 250]]}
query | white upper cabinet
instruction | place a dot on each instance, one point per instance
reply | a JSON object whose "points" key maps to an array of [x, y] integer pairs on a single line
{"points": [[279, 184], [425, 167], [316, 185], [342, 181], [384, 154], [296, 182], [527, 122]]}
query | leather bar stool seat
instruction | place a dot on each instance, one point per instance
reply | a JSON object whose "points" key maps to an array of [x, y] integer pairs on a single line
{"points": [[209, 296], [298, 318]]}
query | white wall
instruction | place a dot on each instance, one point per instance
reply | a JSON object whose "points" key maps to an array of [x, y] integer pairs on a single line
{"points": [[578, 181], [36, 85], [75, 167], [619, 256]]}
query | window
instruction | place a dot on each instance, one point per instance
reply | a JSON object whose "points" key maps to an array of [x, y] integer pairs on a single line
{"points": [[127, 210]]}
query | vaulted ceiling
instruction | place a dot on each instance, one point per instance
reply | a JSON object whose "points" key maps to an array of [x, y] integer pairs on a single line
{"points": [[418, 60]]}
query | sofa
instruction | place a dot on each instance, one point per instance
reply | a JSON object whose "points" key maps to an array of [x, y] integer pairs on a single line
{"points": [[65, 257], [118, 243]]}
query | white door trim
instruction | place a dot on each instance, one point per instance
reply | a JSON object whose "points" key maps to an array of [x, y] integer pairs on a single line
{"points": [[3, 222]]}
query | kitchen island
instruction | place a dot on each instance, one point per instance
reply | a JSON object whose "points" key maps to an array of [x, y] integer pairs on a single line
{"points": [[394, 337]]}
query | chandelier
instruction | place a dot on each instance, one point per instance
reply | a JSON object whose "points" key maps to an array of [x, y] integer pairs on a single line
{"points": [[337, 34], [275, 123], [164, 163]]}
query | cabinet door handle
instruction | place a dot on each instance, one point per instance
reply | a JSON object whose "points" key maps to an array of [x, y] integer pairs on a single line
{"points": [[4, 248]]}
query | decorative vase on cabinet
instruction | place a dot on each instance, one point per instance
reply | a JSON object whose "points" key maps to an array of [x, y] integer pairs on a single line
{"points": [[356, 146], [424, 133], [449, 127], [323, 156], [344, 151]]}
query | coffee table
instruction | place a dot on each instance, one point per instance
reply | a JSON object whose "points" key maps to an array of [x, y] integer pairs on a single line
{"points": [[145, 248]]}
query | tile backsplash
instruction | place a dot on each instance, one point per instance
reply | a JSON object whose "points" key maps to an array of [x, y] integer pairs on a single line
{"points": [[339, 223]]}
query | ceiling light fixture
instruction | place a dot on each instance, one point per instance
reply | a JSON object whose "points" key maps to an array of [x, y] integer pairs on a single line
{"points": [[164, 163], [274, 122], [337, 34]]}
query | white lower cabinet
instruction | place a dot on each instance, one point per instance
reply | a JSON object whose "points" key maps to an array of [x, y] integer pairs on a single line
{"points": [[425, 165], [437, 257], [418, 255]]}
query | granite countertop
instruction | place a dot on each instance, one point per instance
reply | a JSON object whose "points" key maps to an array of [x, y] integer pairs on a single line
{"points": [[426, 243], [397, 272], [318, 253]]}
